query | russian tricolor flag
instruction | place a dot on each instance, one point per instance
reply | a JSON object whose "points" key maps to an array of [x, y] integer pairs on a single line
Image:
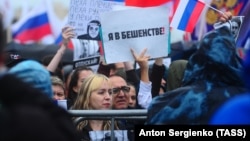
{"points": [[33, 27], [187, 15]]}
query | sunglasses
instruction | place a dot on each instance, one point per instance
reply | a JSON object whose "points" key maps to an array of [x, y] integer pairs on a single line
{"points": [[125, 89]]}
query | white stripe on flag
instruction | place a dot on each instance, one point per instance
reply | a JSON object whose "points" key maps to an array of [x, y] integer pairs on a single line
{"points": [[178, 13]]}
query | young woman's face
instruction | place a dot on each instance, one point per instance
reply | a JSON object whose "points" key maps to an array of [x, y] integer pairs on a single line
{"points": [[82, 75], [93, 30], [101, 98]]}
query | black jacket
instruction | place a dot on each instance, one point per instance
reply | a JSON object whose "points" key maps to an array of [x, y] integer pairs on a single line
{"points": [[27, 114], [212, 76]]}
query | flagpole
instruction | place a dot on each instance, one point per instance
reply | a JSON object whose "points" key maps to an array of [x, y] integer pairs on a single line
{"points": [[215, 9], [203, 21]]}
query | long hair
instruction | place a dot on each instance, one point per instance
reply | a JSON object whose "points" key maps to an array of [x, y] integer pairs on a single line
{"points": [[90, 84], [74, 79]]}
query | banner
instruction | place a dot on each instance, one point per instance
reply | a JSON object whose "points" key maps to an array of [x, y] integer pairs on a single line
{"points": [[187, 15], [84, 16], [33, 27], [136, 28], [210, 16]]}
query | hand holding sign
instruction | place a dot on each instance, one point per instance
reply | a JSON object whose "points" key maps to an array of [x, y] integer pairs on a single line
{"points": [[136, 27], [67, 34], [234, 24]]}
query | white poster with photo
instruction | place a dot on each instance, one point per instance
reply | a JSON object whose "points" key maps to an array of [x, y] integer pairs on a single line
{"points": [[86, 53], [136, 28], [233, 24], [119, 135], [84, 17]]}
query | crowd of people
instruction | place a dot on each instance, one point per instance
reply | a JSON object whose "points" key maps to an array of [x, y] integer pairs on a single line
{"points": [[208, 88]]}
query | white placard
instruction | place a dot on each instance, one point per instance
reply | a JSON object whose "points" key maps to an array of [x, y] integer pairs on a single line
{"points": [[82, 12], [136, 28]]}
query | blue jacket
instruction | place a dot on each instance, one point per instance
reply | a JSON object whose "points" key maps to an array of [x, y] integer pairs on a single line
{"points": [[212, 76]]}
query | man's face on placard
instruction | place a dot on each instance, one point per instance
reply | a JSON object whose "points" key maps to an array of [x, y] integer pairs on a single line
{"points": [[235, 28], [93, 30]]}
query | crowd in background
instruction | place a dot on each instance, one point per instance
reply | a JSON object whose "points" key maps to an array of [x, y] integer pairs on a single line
{"points": [[207, 88]]}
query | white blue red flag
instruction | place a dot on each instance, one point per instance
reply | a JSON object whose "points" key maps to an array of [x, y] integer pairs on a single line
{"points": [[33, 27], [187, 14]]}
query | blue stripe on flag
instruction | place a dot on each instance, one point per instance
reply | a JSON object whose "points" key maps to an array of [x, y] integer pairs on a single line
{"points": [[187, 14], [59, 39], [33, 23]]}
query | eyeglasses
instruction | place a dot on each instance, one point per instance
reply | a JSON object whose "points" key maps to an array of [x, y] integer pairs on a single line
{"points": [[125, 89]]}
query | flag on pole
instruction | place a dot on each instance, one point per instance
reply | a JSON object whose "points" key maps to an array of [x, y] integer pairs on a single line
{"points": [[171, 4], [211, 16], [34, 27], [187, 14]]}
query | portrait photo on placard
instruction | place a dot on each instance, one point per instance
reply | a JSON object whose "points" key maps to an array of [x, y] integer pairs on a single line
{"points": [[84, 17]]}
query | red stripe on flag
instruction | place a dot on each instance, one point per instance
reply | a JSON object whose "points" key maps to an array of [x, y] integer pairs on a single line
{"points": [[34, 34], [70, 45], [100, 48], [145, 3], [237, 9], [176, 2]]}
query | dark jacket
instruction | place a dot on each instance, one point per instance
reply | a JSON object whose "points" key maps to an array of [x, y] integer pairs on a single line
{"points": [[27, 114], [212, 76], [236, 111], [155, 77]]}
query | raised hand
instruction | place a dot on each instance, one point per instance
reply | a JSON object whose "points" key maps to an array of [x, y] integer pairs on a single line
{"points": [[67, 34], [142, 58]]}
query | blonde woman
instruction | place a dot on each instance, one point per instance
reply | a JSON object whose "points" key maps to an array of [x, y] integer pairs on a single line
{"points": [[95, 93]]}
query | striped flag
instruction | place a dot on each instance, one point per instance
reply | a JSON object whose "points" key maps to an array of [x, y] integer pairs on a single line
{"points": [[33, 27], [210, 16], [187, 15], [171, 4]]}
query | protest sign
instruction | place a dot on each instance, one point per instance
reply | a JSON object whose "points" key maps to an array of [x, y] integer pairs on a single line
{"points": [[233, 24], [86, 53], [84, 15], [136, 28]]}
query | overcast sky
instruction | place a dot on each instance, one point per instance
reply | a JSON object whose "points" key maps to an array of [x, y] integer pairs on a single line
{"points": [[176, 35], [18, 3]]}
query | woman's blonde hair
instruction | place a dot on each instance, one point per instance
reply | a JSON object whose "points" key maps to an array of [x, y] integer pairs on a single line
{"points": [[90, 84]]}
